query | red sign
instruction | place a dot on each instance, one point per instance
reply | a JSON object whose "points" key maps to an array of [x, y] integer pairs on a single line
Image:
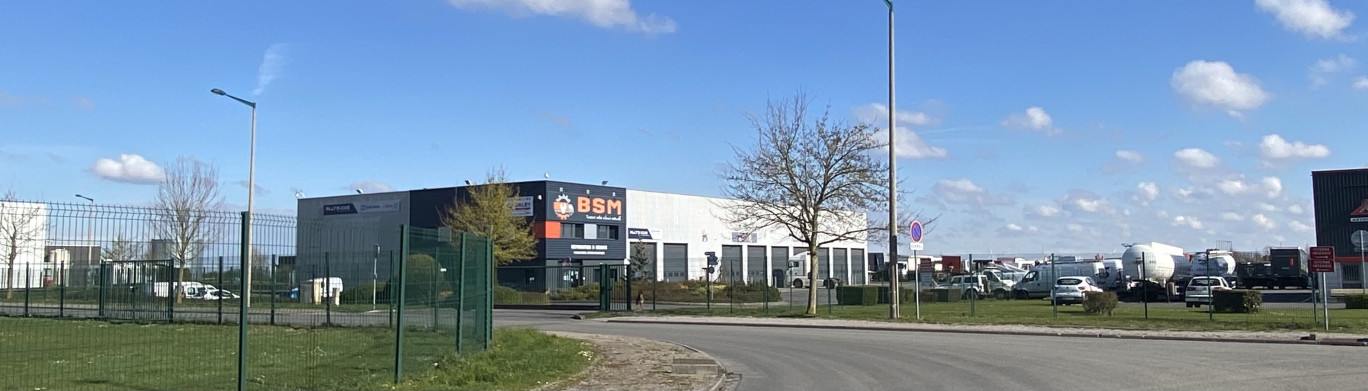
{"points": [[1322, 259]]}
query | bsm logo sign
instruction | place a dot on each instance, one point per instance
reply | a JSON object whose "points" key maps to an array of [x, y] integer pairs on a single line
{"points": [[593, 208]]}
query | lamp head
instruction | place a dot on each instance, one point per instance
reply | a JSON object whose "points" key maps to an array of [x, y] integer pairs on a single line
{"points": [[218, 92]]}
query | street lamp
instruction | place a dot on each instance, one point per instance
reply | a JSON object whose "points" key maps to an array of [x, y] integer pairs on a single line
{"points": [[893, 275], [90, 237], [251, 190]]}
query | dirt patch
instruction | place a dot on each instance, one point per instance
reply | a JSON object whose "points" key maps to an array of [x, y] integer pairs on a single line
{"points": [[630, 363]]}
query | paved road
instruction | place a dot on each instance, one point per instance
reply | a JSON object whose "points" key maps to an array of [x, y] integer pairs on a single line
{"points": [[774, 359]]}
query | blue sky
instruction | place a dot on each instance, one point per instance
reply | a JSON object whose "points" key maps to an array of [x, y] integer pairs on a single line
{"points": [[1027, 126]]}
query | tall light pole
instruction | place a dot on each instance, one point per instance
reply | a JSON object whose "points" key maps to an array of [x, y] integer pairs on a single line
{"points": [[251, 190], [90, 238], [894, 273]]}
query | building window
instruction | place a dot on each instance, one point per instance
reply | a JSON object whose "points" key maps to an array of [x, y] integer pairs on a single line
{"points": [[572, 231], [608, 232]]}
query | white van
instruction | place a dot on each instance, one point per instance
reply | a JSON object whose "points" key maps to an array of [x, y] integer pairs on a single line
{"points": [[1041, 279]]}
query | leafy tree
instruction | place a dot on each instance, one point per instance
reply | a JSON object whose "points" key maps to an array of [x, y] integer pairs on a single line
{"points": [[814, 178], [18, 233], [642, 259], [488, 211]]}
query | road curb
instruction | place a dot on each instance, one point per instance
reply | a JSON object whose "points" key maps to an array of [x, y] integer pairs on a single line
{"points": [[1325, 342], [721, 371]]}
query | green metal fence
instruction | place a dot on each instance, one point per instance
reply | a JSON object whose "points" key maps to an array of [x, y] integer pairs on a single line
{"points": [[91, 301]]}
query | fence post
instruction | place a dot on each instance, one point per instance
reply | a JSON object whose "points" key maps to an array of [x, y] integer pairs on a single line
{"points": [[28, 287], [399, 324], [61, 295], [271, 274], [171, 290], [220, 284], [103, 300], [460, 290], [327, 288], [245, 252], [393, 289], [767, 286], [489, 269], [629, 276], [432, 286]]}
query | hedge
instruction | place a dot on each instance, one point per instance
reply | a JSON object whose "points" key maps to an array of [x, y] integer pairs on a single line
{"points": [[1099, 302], [1237, 301], [858, 295], [1356, 302]]}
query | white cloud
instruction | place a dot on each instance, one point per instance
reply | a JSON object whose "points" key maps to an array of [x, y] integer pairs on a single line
{"points": [[129, 169], [1043, 211], [1320, 72], [1034, 118], [1187, 221], [1145, 192], [1232, 216], [370, 187], [1263, 221], [260, 190], [1074, 227], [1274, 147], [1130, 156], [964, 191], [610, 14], [1295, 209], [1014, 228], [1233, 187], [1266, 207], [1312, 18], [1085, 201], [1272, 186], [1196, 158], [272, 65], [1298, 226], [910, 144], [1361, 83], [1215, 83]]}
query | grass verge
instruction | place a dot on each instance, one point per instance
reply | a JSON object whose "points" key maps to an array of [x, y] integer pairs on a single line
{"points": [[1039, 312], [65, 354]]}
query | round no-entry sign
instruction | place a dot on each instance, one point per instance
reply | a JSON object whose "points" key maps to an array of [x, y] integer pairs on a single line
{"points": [[915, 232]]}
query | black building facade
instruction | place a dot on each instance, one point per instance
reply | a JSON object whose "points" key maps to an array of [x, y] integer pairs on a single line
{"points": [[1341, 207]]}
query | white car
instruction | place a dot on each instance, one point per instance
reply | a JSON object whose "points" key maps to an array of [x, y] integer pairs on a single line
{"points": [[1073, 289], [219, 294], [1201, 289]]}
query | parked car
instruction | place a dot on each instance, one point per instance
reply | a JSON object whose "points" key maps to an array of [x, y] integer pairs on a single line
{"points": [[1073, 289], [219, 294], [1201, 289], [969, 285]]}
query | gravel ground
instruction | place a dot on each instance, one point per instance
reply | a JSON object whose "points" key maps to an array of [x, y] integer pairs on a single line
{"points": [[630, 363], [997, 329]]}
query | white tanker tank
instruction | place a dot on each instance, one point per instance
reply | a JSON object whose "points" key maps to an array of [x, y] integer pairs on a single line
{"points": [[1222, 264], [1161, 262]]}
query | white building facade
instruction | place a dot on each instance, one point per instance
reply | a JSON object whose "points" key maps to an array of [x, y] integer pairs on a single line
{"points": [[676, 231]]}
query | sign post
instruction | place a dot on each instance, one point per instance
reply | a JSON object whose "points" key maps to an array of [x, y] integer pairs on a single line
{"points": [[1322, 260], [915, 232]]}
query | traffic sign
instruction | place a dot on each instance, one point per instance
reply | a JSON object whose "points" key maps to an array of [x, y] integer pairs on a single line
{"points": [[1322, 259], [917, 246], [915, 231]]}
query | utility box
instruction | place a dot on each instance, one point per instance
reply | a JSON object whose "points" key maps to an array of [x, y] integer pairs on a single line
{"points": [[317, 290]]}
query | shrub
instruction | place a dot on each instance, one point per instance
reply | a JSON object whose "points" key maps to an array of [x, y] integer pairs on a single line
{"points": [[506, 295], [362, 294], [535, 298], [1236, 301], [588, 291], [752, 292], [857, 295], [1356, 302], [1099, 302]]}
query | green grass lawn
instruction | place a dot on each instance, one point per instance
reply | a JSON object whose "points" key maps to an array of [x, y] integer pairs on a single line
{"points": [[1039, 312], [53, 354]]}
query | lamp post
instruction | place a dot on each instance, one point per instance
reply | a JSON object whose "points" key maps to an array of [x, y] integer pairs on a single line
{"points": [[251, 190], [893, 275], [90, 238]]}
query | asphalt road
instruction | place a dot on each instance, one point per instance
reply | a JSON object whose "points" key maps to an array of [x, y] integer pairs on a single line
{"points": [[825, 359]]}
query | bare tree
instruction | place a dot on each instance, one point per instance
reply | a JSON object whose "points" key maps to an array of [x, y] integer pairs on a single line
{"points": [[122, 249], [18, 232], [186, 201], [815, 179], [489, 212]]}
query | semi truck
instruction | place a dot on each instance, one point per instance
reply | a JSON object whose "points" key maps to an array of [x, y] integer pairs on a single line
{"points": [[1286, 267]]}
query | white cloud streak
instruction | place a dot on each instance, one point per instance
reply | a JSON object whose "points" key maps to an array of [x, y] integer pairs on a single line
{"points": [[1275, 148], [272, 66], [608, 14]]}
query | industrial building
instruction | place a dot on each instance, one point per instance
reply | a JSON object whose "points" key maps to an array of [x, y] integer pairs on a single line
{"points": [[1341, 210], [578, 226]]}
